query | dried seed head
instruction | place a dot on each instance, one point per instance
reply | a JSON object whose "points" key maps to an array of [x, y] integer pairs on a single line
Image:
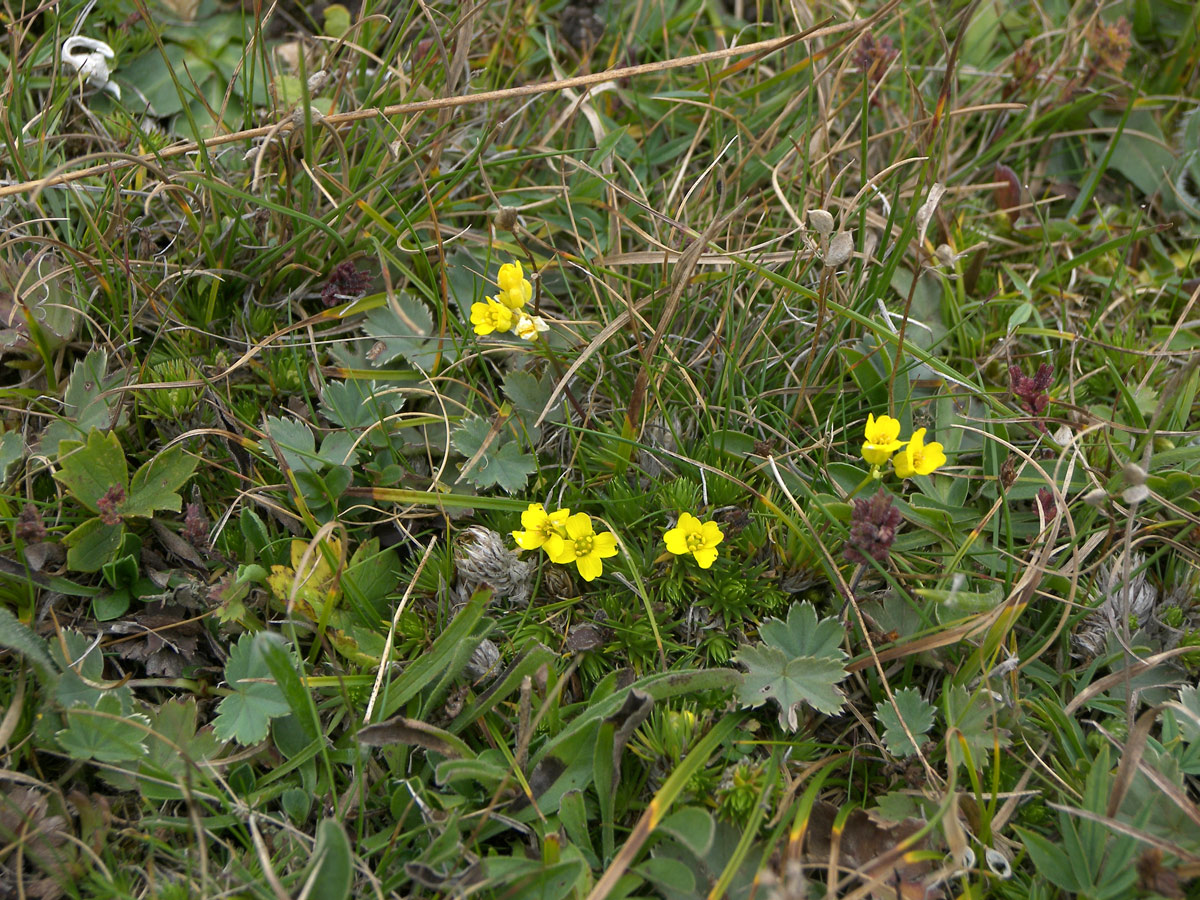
{"points": [[1096, 497], [484, 660], [821, 221], [506, 218], [481, 559], [840, 248]]}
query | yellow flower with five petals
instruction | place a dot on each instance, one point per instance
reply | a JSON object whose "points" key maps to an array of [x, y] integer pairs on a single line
{"points": [[491, 316], [881, 439], [582, 546], [917, 457], [700, 539], [540, 526]]}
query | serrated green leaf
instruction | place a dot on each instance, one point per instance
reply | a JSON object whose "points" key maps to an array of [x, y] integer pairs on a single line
{"points": [[403, 331], [90, 470], [1189, 722], [916, 713], [296, 443], [469, 436], [245, 715], [92, 544], [973, 714], [12, 448], [20, 639], [155, 485], [790, 682], [803, 635], [507, 467], [339, 449], [104, 733], [356, 403]]}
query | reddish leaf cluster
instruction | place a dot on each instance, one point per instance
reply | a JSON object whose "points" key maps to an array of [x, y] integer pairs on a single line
{"points": [[29, 527], [346, 282], [1045, 502], [873, 55], [873, 525], [1031, 392], [109, 504]]}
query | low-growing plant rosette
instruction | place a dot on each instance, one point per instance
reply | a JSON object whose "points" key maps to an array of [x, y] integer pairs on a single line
{"points": [[700, 539]]}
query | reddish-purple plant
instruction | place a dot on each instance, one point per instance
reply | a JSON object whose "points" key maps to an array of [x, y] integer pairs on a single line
{"points": [[195, 526], [346, 282], [1045, 502], [29, 527], [1031, 392], [873, 525], [108, 504]]}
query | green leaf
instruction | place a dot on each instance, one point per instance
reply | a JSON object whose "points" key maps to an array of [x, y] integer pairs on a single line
{"points": [[105, 733], [790, 682], [1049, 861], [296, 443], [404, 329], [470, 434], [339, 449], [282, 665], [90, 470], [693, 827], [88, 405], [92, 544], [507, 468], [155, 485], [245, 715], [18, 638], [668, 874], [333, 862], [916, 713], [356, 404], [803, 635], [974, 715], [12, 448]]}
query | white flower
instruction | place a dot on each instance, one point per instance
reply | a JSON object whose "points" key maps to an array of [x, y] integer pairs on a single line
{"points": [[529, 327], [89, 58]]}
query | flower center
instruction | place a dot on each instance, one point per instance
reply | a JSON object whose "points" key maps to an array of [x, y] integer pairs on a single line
{"points": [[583, 545], [695, 542]]}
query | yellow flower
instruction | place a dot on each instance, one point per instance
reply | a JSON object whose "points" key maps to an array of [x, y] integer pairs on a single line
{"points": [[540, 526], [491, 316], [700, 539], [529, 327], [582, 546], [881, 439], [919, 458], [515, 289]]}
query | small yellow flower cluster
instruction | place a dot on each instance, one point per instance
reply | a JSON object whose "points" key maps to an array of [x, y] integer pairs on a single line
{"points": [[881, 440], [504, 312], [566, 539]]}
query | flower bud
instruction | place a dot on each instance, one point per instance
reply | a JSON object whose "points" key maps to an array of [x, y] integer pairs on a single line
{"points": [[840, 249], [821, 221]]}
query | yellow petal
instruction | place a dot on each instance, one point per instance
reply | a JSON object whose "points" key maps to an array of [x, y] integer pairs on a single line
{"points": [[589, 566], [605, 544], [676, 541], [712, 535], [579, 526], [705, 557]]}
